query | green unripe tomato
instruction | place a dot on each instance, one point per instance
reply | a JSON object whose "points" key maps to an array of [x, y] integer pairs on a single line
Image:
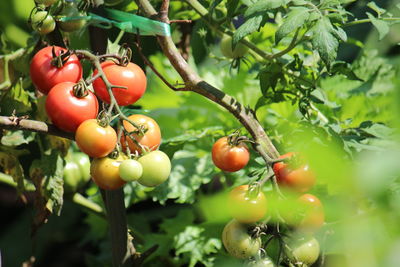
{"points": [[70, 9], [72, 176], [112, 2], [226, 48], [156, 168], [45, 2], [265, 262], [130, 170], [43, 22], [303, 251], [238, 242], [83, 162]]}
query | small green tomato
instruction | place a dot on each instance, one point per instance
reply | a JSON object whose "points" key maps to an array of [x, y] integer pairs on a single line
{"points": [[130, 170]]}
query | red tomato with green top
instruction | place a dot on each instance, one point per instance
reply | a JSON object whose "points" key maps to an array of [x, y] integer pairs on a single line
{"points": [[45, 75], [131, 76], [229, 157], [67, 111]]}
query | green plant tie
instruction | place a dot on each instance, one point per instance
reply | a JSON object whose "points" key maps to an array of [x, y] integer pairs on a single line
{"points": [[125, 21]]}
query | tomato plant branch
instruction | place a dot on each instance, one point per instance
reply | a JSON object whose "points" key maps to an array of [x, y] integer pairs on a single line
{"points": [[16, 123], [194, 83], [360, 21]]}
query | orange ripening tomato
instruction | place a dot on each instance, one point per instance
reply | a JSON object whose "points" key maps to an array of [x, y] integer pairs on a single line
{"points": [[95, 140], [312, 212], [298, 178], [229, 157], [105, 172], [246, 206], [151, 139]]}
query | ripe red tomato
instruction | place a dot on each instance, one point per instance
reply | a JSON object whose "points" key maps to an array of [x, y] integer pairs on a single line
{"points": [[105, 172], [130, 76], [298, 178], [150, 139], [229, 157], [66, 111], [95, 140], [247, 206], [312, 212], [45, 75]]}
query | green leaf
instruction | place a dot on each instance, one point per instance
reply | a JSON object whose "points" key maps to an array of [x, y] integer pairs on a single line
{"points": [[262, 6], [324, 42], [232, 6], [345, 69], [16, 138], [380, 25], [269, 77], [51, 168], [192, 243], [340, 34], [16, 99], [376, 8], [294, 19], [176, 143], [251, 25]]}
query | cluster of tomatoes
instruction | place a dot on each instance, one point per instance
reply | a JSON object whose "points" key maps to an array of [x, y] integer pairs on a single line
{"points": [[248, 206], [73, 107], [43, 19]]}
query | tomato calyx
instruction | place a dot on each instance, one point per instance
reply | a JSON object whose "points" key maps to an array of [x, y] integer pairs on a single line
{"points": [[80, 89], [235, 139], [114, 154], [253, 191], [103, 119], [125, 54], [59, 60]]}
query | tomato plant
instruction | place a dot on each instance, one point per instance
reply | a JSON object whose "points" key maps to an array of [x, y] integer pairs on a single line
{"points": [[130, 170], [295, 176], [70, 10], [149, 139], [43, 22], [131, 76], [226, 48], [94, 139], [247, 204], [229, 157], [238, 242], [45, 73], [156, 168], [303, 251], [105, 172], [66, 110]]}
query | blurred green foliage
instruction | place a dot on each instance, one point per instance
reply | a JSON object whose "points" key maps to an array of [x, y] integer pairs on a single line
{"points": [[347, 129]]}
